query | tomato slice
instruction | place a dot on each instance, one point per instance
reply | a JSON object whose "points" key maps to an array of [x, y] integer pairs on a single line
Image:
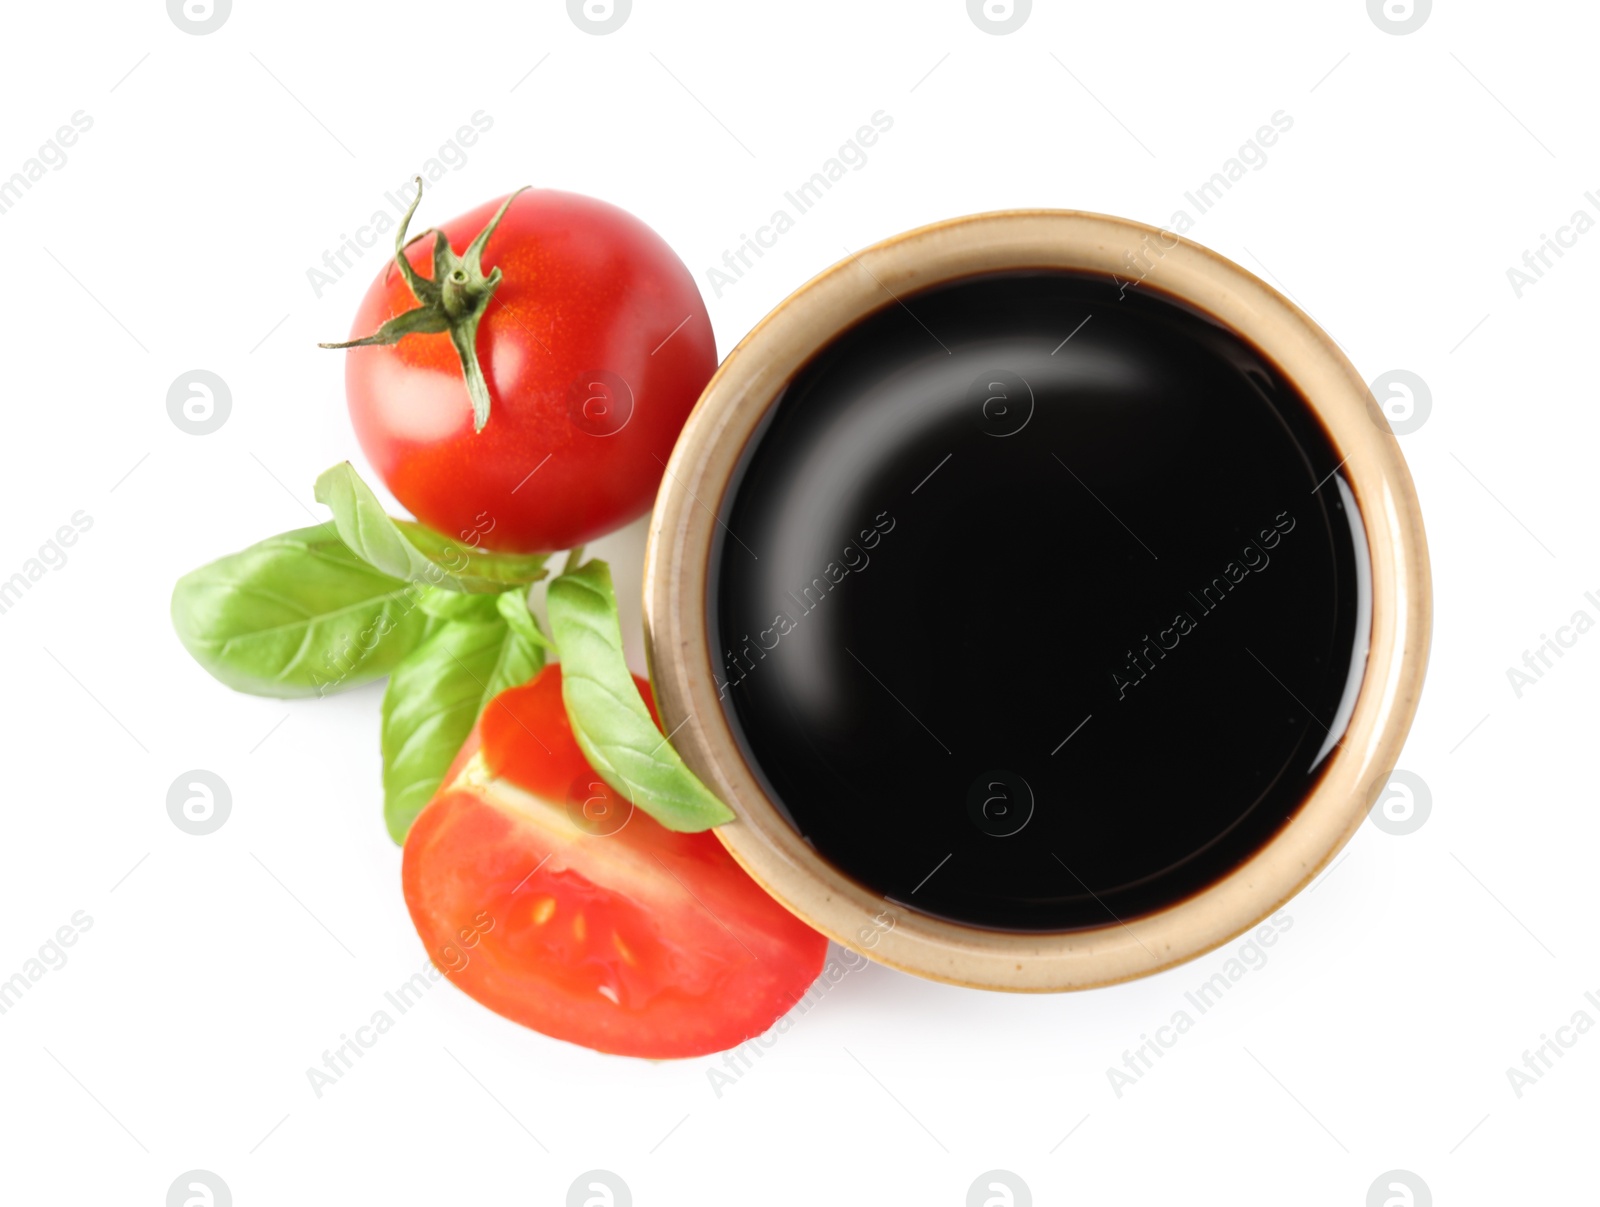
{"points": [[553, 901]]}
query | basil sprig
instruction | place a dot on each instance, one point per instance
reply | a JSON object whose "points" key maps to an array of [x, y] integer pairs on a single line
{"points": [[608, 716], [326, 608]]}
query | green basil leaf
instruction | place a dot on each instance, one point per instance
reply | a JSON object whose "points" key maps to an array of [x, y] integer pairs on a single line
{"points": [[453, 605], [433, 700], [367, 528], [296, 615], [410, 551], [477, 570], [513, 607], [608, 716]]}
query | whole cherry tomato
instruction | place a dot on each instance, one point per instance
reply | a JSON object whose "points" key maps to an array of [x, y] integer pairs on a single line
{"points": [[526, 395], [553, 901]]}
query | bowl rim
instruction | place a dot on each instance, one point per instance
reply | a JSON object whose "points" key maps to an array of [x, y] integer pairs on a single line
{"points": [[681, 543]]}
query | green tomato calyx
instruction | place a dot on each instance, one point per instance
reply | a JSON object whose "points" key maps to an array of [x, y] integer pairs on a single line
{"points": [[453, 300]]}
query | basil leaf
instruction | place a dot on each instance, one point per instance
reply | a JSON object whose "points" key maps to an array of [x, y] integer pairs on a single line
{"points": [[453, 605], [295, 615], [513, 607], [433, 700], [410, 551], [476, 570], [608, 716]]}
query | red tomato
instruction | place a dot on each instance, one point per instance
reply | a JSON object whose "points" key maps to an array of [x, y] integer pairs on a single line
{"points": [[594, 346], [551, 900]]}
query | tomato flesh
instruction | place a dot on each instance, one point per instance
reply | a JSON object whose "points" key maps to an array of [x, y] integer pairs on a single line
{"points": [[595, 347], [548, 898]]}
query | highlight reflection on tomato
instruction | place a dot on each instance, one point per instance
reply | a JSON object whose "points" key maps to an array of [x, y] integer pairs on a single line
{"points": [[547, 897]]}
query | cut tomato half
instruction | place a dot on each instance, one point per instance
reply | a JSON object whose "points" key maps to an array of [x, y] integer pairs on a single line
{"points": [[550, 899]]}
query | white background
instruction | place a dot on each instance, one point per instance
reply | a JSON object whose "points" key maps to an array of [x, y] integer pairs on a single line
{"points": [[178, 235]]}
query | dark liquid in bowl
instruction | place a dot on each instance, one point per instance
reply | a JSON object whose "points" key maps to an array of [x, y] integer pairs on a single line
{"points": [[1040, 601]]}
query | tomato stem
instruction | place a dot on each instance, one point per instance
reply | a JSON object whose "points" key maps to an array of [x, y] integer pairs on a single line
{"points": [[452, 301]]}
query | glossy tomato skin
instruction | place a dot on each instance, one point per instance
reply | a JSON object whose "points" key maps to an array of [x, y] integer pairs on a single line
{"points": [[590, 295], [551, 901]]}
